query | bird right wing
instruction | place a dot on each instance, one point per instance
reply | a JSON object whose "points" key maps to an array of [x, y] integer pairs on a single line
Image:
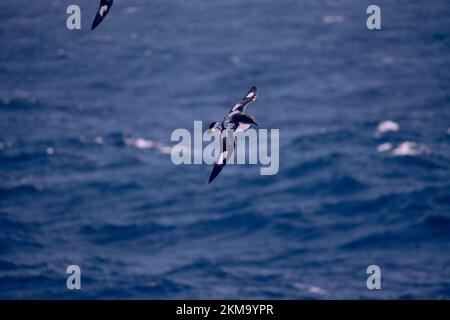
{"points": [[215, 126]]}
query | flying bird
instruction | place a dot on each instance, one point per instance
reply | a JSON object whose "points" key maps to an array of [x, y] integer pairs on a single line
{"points": [[105, 6], [235, 121]]}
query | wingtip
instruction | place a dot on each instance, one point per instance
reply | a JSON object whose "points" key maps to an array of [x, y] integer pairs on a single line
{"points": [[252, 93], [215, 172], [94, 24]]}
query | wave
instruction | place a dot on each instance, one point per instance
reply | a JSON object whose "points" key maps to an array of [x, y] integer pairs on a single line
{"points": [[107, 234], [432, 228]]}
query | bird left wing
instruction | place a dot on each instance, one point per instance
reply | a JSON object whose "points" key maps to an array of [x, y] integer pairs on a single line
{"points": [[105, 6], [228, 144]]}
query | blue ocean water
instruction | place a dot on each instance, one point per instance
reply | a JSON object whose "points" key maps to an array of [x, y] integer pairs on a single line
{"points": [[86, 178]]}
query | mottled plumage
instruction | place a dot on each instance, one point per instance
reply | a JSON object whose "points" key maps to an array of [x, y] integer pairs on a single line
{"points": [[235, 121]]}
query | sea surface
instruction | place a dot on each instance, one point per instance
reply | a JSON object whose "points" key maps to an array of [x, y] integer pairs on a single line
{"points": [[86, 176]]}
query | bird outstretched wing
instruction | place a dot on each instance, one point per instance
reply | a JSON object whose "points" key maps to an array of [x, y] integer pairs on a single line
{"points": [[215, 126], [246, 100], [228, 144], [105, 6]]}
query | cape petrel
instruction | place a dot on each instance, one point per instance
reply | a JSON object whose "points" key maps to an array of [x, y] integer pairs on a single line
{"points": [[103, 10], [235, 121]]}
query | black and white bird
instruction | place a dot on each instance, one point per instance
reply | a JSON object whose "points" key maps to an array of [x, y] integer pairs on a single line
{"points": [[235, 121], [105, 6]]}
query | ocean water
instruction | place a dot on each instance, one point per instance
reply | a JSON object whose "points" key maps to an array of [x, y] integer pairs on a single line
{"points": [[86, 176]]}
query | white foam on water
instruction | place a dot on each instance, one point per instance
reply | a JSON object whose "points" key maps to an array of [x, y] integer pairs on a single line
{"points": [[141, 143], [131, 10], [408, 148], [165, 149], [317, 290], [310, 289], [98, 140], [332, 19], [386, 126], [384, 147], [50, 151]]}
